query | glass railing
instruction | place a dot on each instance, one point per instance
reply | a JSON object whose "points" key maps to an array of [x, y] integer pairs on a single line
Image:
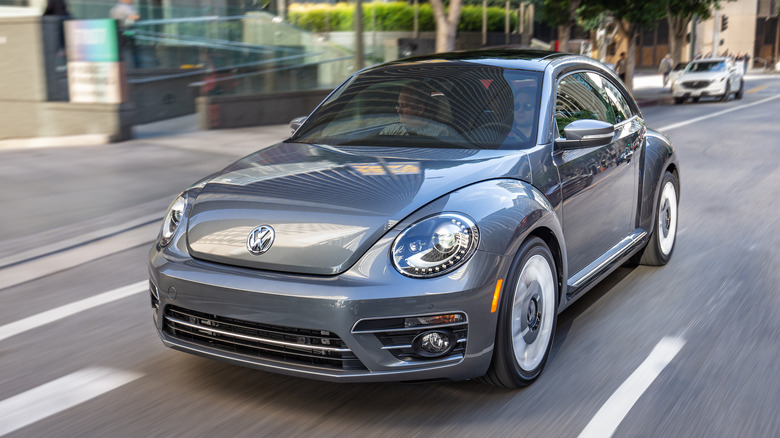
{"points": [[226, 50]]}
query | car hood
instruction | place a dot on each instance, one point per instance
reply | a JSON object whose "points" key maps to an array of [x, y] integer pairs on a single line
{"points": [[328, 206]]}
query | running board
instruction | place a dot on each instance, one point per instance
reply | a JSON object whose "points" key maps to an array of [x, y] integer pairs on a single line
{"points": [[604, 262]]}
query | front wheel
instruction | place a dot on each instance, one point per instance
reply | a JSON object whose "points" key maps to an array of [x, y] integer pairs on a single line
{"points": [[661, 245], [726, 93], [741, 90], [527, 317]]}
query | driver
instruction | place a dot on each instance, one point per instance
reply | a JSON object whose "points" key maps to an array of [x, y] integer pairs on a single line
{"points": [[413, 103], [523, 114]]}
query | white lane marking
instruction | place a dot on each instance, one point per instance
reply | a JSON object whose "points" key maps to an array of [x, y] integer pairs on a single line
{"points": [[43, 318], [58, 395], [611, 414], [713, 115]]}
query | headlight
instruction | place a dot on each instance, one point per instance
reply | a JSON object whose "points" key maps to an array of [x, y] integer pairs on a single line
{"points": [[172, 219], [435, 245]]}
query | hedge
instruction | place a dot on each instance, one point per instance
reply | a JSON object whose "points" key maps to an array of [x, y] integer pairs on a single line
{"points": [[395, 16]]}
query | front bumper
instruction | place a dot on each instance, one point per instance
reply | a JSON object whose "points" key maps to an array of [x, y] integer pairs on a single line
{"points": [[336, 328], [712, 89]]}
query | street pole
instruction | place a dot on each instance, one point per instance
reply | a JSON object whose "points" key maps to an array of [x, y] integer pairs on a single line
{"points": [[506, 24], [484, 23], [693, 37], [715, 34], [359, 35]]}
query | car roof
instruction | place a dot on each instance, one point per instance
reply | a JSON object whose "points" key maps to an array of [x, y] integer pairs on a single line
{"points": [[536, 60]]}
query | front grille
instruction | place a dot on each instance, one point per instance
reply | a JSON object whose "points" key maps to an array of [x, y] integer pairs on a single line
{"points": [[318, 348], [695, 85]]}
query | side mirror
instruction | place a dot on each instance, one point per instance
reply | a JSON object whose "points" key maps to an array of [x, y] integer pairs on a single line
{"points": [[296, 123], [586, 133]]}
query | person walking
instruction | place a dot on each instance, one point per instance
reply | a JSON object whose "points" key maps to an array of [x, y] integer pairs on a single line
{"points": [[126, 15], [665, 67], [620, 66]]}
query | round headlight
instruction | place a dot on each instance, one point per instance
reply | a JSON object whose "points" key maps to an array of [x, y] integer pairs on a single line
{"points": [[172, 219], [435, 245]]}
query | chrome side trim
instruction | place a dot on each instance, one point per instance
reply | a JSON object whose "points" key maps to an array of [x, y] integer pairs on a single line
{"points": [[610, 256], [256, 339]]}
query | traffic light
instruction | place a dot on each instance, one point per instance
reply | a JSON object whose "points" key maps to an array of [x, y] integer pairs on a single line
{"points": [[724, 23]]}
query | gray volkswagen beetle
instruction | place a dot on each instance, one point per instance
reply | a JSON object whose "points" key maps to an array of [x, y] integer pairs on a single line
{"points": [[430, 219]]}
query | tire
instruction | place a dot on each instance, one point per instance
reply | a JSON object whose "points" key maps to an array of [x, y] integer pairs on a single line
{"points": [[660, 247], [679, 100], [725, 96], [741, 90], [695, 99], [527, 317]]}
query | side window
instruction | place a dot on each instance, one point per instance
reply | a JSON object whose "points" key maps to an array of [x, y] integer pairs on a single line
{"points": [[589, 96]]}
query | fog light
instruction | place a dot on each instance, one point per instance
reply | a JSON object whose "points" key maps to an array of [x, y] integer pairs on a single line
{"points": [[433, 343]]}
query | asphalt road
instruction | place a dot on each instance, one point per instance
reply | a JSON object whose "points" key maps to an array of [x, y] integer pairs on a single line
{"points": [[92, 369]]}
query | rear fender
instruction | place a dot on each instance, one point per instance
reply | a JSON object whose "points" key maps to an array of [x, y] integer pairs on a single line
{"points": [[659, 157]]}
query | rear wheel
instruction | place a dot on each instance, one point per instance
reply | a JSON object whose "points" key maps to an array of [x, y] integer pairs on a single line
{"points": [[661, 245], [679, 100], [527, 317]]}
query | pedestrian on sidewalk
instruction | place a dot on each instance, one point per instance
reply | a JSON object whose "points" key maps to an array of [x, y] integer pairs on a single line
{"points": [[620, 66], [125, 14], [666, 67]]}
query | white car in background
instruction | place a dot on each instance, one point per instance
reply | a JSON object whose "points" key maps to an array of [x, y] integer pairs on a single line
{"points": [[710, 77]]}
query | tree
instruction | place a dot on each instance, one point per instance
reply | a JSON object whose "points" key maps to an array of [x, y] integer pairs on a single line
{"points": [[563, 15], [631, 16], [679, 15], [446, 23]]}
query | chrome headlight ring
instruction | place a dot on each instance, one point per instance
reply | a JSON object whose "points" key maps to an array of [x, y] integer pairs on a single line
{"points": [[435, 245], [172, 219]]}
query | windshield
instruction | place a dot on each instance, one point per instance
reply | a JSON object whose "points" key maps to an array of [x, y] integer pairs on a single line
{"points": [[444, 106], [707, 66]]}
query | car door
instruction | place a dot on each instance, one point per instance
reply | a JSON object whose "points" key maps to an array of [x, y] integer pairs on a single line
{"points": [[599, 184]]}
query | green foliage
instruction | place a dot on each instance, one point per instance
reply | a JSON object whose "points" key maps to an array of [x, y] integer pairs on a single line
{"points": [[471, 19], [688, 8], [394, 16]]}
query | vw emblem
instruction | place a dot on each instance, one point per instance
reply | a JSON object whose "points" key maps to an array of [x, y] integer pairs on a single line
{"points": [[260, 239]]}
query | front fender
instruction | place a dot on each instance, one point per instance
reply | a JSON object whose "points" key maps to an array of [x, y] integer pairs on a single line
{"points": [[506, 211]]}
